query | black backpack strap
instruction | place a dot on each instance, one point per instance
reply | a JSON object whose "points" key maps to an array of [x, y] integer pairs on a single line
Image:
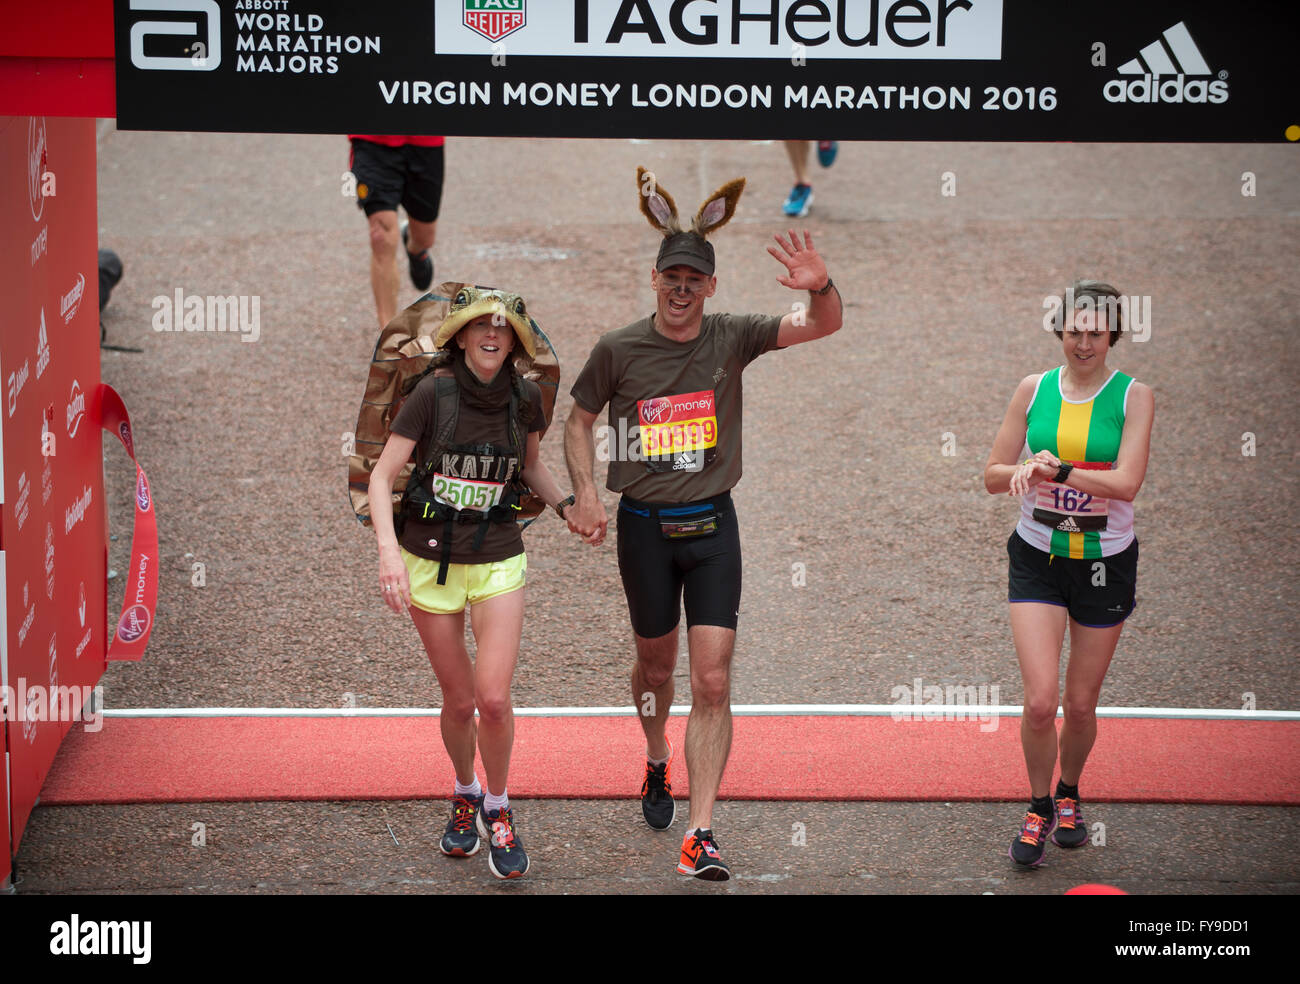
{"points": [[446, 413], [444, 557]]}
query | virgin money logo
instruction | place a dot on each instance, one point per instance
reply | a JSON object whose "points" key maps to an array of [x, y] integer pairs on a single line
{"points": [[658, 410], [133, 624], [124, 431], [37, 164], [142, 497]]}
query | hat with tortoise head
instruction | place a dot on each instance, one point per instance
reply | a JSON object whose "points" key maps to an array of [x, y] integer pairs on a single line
{"points": [[474, 302]]}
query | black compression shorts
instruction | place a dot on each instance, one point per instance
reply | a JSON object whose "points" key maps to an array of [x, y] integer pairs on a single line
{"points": [[657, 572], [409, 175], [1098, 593]]}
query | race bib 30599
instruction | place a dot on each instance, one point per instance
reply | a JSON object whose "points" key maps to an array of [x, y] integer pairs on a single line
{"points": [[673, 424]]}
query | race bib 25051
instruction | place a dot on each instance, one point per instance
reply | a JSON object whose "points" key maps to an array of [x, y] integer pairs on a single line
{"points": [[461, 493]]}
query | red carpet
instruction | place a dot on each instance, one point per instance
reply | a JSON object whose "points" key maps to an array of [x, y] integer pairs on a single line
{"points": [[178, 760]]}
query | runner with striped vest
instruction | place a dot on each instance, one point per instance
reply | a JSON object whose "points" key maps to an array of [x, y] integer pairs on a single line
{"points": [[1074, 447]]}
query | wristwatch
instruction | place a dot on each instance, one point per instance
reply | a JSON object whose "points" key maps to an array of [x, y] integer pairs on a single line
{"points": [[559, 506], [825, 290], [1063, 473]]}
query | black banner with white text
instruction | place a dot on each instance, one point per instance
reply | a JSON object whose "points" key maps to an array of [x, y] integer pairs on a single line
{"points": [[1010, 70]]}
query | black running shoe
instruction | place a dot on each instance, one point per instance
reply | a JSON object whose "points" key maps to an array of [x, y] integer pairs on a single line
{"points": [[657, 804], [461, 839], [1071, 831], [1027, 848], [701, 857], [421, 266], [506, 855]]}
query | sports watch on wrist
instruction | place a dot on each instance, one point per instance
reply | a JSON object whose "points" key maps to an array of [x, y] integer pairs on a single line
{"points": [[825, 290], [1063, 473], [568, 501]]}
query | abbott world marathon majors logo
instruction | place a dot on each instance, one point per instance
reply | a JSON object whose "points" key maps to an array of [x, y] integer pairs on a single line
{"points": [[191, 37], [1171, 69]]}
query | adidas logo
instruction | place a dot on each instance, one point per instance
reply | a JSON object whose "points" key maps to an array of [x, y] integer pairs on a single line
{"points": [[1162, 69], [686, 461], [1068, 525]]}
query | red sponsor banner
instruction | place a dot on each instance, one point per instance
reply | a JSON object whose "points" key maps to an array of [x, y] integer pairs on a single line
{"points": [[52, 523], [140, 600]]}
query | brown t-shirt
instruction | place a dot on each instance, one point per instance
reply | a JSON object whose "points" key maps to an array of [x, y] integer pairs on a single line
{"points": [[466, 477], [674, 407]]}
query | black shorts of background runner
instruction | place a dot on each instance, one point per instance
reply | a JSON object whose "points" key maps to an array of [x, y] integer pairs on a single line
{"points": [[409, 176], [656, 572], [1035, 575]]}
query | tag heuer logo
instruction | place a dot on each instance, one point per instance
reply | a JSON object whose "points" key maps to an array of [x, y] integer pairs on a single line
{"points": [[494, 19]]}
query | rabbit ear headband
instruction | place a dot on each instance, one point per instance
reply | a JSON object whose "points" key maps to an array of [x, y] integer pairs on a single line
{"points": [[686, 247]]}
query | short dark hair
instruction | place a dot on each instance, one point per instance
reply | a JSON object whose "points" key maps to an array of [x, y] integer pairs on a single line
{"points": [[1092, 295]]}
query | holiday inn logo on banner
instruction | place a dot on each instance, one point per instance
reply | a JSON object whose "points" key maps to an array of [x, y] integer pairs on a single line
{"points": [[494, 19]]}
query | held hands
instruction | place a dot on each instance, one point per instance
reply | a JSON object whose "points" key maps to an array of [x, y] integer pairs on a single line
{"points": [[394, 581], [805, 267], [1038, 468], [586, 517]]}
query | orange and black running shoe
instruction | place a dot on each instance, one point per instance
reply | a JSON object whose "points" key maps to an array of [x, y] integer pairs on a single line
{"points": [[1070, 830], [657, 803], [1027, 848], [701, 857], [506, 857], [461, 839]]}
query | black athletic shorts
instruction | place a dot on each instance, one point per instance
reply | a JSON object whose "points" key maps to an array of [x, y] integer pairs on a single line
{"points": [[409, 176], [1096, 596], [656, 571]]}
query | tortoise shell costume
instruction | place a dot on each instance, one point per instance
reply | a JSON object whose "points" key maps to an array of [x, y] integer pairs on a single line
{"points": [[412, 345]]}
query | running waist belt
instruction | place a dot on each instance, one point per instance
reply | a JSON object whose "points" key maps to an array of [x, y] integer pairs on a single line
{"points": [[682, 520]]}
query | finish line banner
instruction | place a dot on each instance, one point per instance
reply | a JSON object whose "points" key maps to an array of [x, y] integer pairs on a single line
{"points": [[1010, 70]]}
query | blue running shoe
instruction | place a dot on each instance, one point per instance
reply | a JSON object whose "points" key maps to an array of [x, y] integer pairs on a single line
{"points": [[800, 200], [1027, 848], [461, 839], [826, 151], [506, 857]]}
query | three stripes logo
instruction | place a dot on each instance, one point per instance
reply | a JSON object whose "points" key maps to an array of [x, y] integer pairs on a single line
{"points": [[1171, 69], [1068, 525]]}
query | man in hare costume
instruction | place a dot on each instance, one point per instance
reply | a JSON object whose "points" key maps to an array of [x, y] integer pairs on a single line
{"points": [[672, 384]]}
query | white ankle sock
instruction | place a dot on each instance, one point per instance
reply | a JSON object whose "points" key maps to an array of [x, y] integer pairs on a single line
{"points": [[473, 790]]}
